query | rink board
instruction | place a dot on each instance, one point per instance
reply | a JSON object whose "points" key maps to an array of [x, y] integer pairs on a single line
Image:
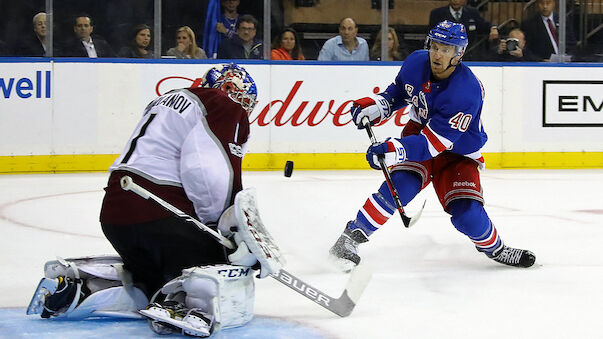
{"points": [[75, 114], [15, 324]]}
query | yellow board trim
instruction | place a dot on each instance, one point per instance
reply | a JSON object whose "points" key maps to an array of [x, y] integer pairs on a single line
{"points": [[302, 161]]}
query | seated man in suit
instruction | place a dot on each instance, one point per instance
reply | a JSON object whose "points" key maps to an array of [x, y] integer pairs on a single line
{"points": [[542, 32], [457, 11], [35, 44], [82, 45]]}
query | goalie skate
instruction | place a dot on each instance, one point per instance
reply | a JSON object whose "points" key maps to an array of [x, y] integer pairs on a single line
{"points": [[171, 316], [45, 288]]}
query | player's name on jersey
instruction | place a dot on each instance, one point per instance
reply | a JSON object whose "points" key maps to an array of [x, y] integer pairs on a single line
{"points": [[176, 101]]}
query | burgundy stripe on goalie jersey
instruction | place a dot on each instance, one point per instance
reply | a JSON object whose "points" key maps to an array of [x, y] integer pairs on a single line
{"points": [[226, 119], [126, 208]]}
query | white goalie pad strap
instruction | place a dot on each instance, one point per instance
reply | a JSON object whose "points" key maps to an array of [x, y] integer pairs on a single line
{"points": [[224, 291], [111, 302], [101, 266], [252, 231]]}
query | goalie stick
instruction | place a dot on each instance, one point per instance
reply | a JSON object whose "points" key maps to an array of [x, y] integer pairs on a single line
{"points": [[407, 221], [342, 306]]}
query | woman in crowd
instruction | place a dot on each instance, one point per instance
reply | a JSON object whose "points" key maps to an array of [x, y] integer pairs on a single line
{"points": [[139, 43], [394, 53], [286, 46], [186, 45]]}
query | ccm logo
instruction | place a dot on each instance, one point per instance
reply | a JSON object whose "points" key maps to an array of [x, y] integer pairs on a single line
{"points": [[234, 272]]}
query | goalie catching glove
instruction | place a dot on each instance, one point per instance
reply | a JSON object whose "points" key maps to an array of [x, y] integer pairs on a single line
{"points": [[255, 246], [376, 108], [391, 150]]}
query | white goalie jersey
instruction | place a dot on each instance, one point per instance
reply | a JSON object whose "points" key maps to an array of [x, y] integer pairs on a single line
{"points": [[188, 147]]}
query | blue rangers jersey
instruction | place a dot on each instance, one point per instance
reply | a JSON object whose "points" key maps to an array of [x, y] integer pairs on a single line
{"points": [[449, 110]]}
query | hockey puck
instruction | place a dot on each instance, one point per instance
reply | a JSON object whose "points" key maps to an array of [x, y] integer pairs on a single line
{"points": [[288, 168]]}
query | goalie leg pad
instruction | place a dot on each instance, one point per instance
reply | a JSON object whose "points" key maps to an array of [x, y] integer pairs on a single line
{"points": [[224, 292], [87, 286]]}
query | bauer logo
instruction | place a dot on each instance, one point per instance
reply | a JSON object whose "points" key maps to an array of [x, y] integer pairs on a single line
{"points": [[302, 288], [38, 85], [572, 103]]}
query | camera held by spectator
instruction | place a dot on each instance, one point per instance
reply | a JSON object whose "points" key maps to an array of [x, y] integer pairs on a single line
{"points": [[513, 48], [512, 44]]}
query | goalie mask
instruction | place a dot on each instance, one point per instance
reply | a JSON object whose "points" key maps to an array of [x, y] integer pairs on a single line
{"points": [[234, 81], [449, 33]]}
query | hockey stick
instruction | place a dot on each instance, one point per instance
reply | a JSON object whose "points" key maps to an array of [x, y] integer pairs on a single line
{"points": [[408, 222], [342, 306]]}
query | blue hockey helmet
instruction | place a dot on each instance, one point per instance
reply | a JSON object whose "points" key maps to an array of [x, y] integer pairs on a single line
{"points": [[449, 33], [235, 82]]}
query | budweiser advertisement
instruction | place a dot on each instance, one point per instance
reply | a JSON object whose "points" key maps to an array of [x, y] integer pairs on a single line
{"points": [[302, 108]]}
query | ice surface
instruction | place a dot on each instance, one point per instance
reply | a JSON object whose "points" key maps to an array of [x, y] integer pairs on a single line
{"points": [[428, 282]]}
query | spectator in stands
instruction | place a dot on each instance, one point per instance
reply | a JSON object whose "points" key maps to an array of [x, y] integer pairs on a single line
{"points": [[35, 44], [244, 45], [476, 26], [186, 45], [82, 44], [347, 46], [541, 31], [139, 44], [513, 48], [227, 25], [286, 46], [394, 50]]}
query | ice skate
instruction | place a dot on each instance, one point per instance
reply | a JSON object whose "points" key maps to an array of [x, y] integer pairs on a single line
{"points": [[54, 296], [173, 317], [513, 257], [345, 250]]}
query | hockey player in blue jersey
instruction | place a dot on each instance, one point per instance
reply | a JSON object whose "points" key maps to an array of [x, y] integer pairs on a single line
{"points": [[440, 144]]}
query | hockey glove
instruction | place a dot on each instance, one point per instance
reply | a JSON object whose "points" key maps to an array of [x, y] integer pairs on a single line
{"points": [[242, 256], [391, 150], [227, 225], [375, 108]]}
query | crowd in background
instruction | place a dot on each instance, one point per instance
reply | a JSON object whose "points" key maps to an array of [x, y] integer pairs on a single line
{"points": [[125, 29]]}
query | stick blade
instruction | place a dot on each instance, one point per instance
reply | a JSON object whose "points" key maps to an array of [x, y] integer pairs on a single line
{"points": [[416, 217], [359, 279]]}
